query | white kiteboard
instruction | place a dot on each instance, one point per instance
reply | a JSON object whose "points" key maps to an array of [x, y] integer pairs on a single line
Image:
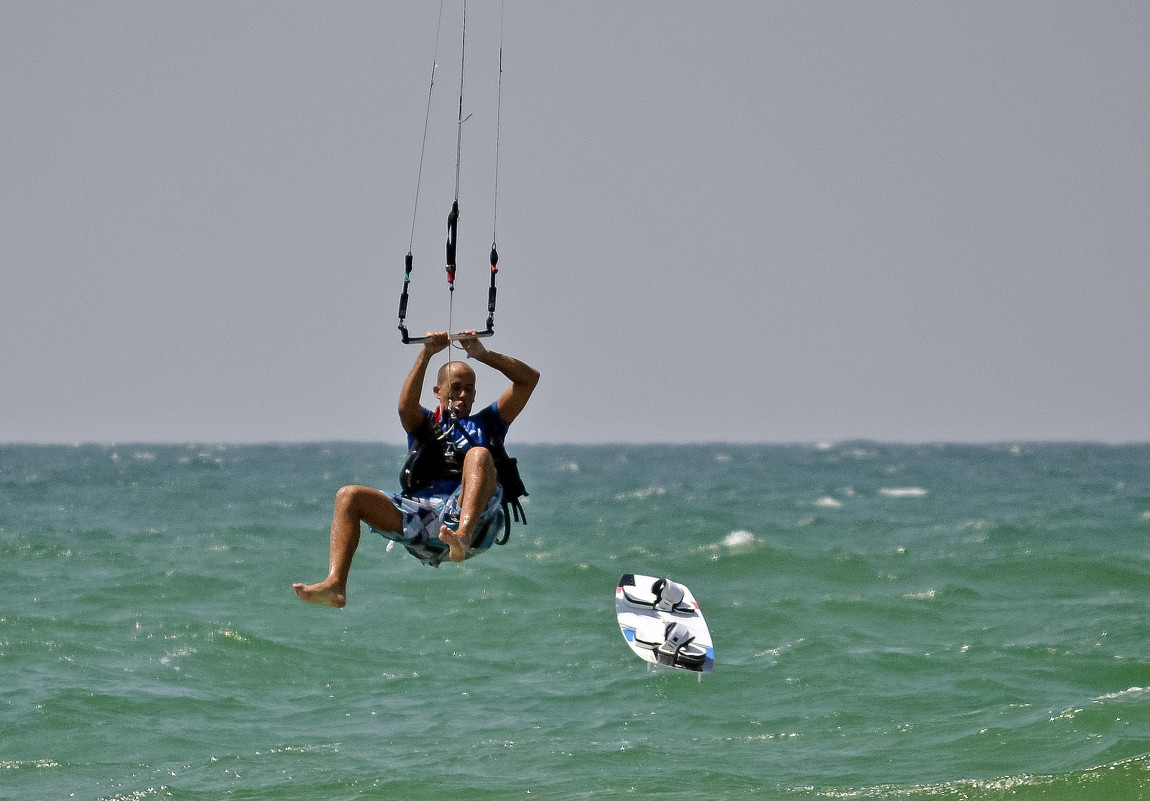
{"points": [[661, 621]]}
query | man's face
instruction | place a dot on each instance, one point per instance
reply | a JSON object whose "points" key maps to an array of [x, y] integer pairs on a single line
{"points": [[459, 393]]}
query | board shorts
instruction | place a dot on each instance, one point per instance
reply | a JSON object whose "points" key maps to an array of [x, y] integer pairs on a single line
{"points": [[423, 515]]}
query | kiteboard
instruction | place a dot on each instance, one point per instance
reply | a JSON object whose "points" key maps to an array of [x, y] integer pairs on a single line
{"points": [[662, 624]]}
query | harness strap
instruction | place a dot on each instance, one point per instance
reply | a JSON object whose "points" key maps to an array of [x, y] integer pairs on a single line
{"points": [[421, 463]]}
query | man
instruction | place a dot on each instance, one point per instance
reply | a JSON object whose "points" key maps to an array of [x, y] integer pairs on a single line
{"points": [[459, 512]]}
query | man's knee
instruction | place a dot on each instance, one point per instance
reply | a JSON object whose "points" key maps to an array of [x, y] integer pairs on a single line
{"points": [[350, 498], [479, 457], [479, 473], [370, 506]]}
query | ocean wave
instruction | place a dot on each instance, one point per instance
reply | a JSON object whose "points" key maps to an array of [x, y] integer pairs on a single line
{"points": [[903, 492], [641, 494], [738, 539], [1132, 693], [1124, 780]]}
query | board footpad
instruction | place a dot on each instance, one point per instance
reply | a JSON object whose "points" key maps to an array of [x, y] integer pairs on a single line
{"points": [[664, 596], [678, 648], [672, 644]]}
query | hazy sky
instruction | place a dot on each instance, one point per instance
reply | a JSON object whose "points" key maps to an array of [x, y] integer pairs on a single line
{"points": [[739, 221]]}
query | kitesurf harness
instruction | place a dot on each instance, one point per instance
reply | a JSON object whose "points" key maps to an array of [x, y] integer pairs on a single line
{"points": [[453, 215], [433, 456]]}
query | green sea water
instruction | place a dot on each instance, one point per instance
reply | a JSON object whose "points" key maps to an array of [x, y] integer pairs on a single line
{"points": [[890, 621]]}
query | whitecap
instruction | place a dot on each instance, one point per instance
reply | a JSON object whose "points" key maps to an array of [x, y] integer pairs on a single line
{"points": [[926, 595], [739, 539], [828, 503], [1133, 691], [903, 492], [642, 494]]}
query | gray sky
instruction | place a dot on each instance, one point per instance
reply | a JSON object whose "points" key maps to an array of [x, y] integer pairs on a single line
{"points": [[740, 221]]}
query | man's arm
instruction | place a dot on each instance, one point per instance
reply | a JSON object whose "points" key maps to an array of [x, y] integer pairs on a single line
{"points": [[523, 377], [410, 409]]}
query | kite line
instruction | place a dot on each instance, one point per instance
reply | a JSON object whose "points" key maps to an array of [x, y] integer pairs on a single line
{"points": [[453, 215]]}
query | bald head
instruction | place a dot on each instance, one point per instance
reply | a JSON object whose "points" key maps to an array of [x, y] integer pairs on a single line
{"points": [[460, 371]]}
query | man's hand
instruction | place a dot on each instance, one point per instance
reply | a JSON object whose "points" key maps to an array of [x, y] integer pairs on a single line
{"points": [[472, 344], [436, 341]]}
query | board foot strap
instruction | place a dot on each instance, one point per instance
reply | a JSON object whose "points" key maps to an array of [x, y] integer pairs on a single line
{"points": [[677, 648]]}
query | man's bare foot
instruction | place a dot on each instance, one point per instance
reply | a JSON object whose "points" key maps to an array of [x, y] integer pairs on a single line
{"points": [[326, 593], [457, 544]]}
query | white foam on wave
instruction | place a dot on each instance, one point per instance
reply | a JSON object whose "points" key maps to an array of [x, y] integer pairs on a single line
{"points": [[739, 539], [736, 542], [641, 494], [1132, 692], [827, 502], [926, 595], [902, 492]]}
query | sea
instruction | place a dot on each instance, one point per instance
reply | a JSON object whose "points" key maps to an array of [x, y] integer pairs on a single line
{"points": [[891, 621]]}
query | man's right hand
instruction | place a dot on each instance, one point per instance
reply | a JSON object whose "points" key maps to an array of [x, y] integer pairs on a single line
{"points": [[436, 341]]}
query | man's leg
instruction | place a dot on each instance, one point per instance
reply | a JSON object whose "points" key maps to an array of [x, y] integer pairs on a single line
{"points": [[352, 504], [477, 488]]}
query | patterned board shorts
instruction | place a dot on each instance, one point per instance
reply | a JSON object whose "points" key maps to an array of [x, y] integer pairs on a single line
{"points": [[422, 517]]}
